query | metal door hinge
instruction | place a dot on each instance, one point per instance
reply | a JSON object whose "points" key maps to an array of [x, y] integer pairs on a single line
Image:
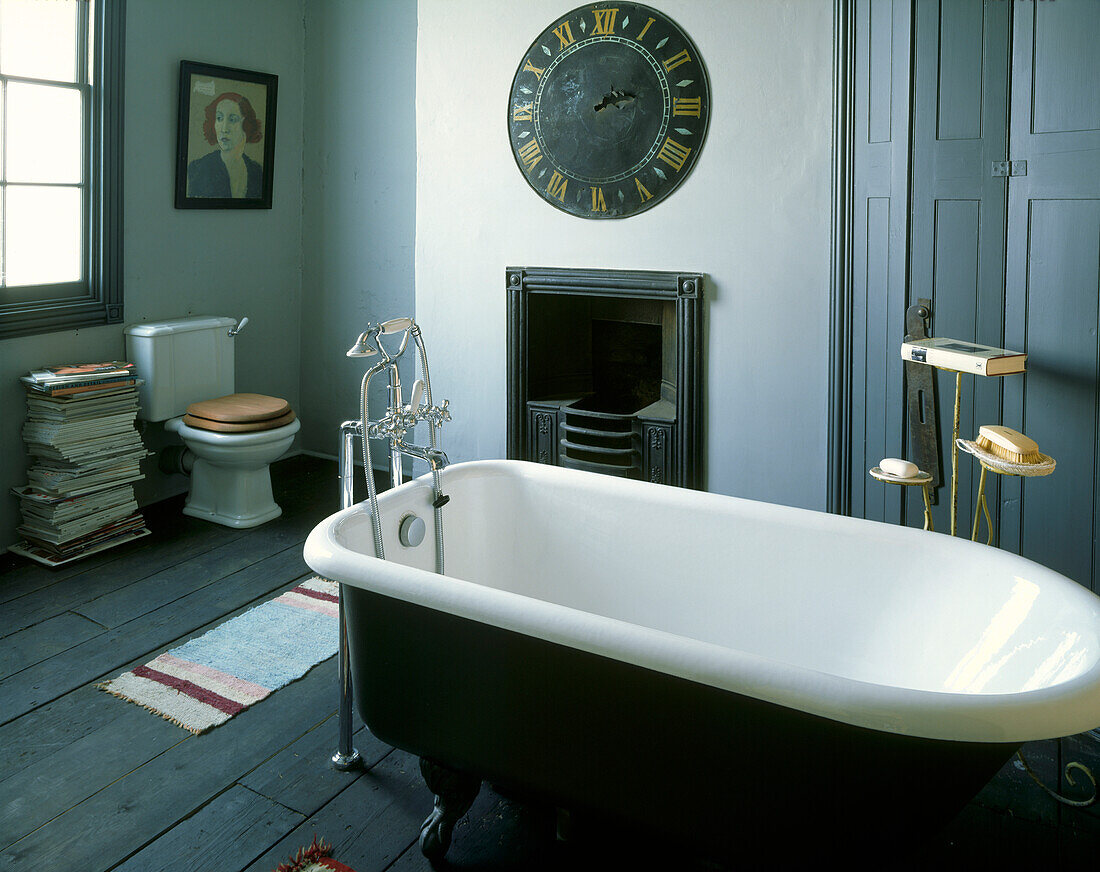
{"points": [[1008, 168]]}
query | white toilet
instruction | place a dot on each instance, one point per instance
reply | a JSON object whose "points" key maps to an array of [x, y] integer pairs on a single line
{"points": [[187, 365]]}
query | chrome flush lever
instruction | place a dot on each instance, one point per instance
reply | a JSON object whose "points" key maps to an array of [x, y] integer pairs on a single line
{"points": [[238, 327]]}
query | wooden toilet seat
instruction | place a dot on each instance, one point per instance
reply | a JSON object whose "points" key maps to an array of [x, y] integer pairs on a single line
{"points": [[239, 413]]}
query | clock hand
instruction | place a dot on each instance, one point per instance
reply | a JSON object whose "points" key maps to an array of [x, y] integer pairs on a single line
{"points": [[613, 98]]}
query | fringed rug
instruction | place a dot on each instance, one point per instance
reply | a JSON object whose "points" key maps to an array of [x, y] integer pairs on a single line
{"points": [[208, 680], [315, 858]]}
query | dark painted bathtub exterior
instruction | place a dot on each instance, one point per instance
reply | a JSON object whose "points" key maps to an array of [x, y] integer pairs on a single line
{"points": [[722, 772]]}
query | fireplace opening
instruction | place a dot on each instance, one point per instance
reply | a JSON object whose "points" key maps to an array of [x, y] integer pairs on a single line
{"points": [[601, 354], [603, 371], [626, 367]]}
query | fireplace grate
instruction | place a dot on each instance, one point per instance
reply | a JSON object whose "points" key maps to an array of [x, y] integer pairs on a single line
{"points": [[600, 442]]}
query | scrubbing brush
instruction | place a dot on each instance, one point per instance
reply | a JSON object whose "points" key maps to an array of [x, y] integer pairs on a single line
{"points": [[1007, 451], [1008, 444]]}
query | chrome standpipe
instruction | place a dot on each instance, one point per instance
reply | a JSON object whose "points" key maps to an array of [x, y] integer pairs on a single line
{"points": [[346, 756]]}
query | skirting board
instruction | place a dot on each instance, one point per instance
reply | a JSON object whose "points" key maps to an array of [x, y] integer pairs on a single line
{"points": [[358, 463]]}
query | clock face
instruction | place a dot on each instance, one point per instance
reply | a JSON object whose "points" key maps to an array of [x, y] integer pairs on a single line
{"points": [[608, 110]]}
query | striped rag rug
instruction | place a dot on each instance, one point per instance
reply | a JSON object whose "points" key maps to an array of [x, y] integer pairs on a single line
{"points": [[208, 680]]}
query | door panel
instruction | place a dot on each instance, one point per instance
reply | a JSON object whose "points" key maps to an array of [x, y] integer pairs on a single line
{"points": [[960, 97], [1066, 94], [1006, 260], [959, 71], [1053, 282], [1059, 511], [879, 230]]}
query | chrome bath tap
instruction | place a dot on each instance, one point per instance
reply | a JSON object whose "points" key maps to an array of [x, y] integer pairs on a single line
{"points": [[399, 418], [393, 426]]}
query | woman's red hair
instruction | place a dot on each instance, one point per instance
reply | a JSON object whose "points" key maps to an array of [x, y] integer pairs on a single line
{"points": [[250, 124]]}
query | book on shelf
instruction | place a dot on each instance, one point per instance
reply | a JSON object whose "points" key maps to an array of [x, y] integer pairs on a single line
{"points": [[964, 356]]}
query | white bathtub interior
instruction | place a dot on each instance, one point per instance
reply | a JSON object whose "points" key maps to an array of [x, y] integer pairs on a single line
{"points": [[853, 599]]}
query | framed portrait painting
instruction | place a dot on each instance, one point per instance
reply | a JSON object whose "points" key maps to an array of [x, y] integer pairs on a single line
{"points": [[226, 143]]}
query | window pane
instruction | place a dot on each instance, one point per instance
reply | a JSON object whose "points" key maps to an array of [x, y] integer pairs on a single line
{"points": [[38, 38], [44, 141], [43, 242]]}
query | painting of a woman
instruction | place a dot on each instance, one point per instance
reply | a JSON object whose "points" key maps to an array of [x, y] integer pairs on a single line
{"points": [[230, 122], [225, 151]]}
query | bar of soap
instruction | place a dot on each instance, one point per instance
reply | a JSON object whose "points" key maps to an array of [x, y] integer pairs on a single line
{"points": [[897, 466]]}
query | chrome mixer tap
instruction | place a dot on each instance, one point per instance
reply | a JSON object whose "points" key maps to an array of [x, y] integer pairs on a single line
{"points": [[393, 427]]}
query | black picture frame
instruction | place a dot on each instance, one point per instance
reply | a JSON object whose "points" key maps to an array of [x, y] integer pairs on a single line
{"points": [[203, 177]]}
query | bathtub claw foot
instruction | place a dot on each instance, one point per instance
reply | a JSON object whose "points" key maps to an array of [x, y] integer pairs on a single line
{"points": [[454, 793]]}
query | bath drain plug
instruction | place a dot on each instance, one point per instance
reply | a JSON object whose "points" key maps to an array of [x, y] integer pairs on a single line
{"points": [[411, 532]]}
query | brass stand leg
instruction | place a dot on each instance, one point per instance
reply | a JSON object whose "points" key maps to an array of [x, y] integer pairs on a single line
{"points": [[955, 456], [988, 521], [927, 508], [978, 508]]}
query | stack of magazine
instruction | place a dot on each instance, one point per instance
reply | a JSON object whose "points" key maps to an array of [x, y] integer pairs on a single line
{"points": [[85, 456]]}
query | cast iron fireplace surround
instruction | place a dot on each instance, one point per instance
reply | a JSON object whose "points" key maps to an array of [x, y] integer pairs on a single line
{"points": [[605, 371]]}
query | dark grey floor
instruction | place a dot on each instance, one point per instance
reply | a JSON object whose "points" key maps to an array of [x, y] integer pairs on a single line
{"points": [[89, 782]]}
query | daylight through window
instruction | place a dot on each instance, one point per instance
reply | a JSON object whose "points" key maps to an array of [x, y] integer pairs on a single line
{"points": [[60, 74]]}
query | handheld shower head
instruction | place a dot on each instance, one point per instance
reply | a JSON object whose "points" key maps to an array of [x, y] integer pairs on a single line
{"points": [[361, 348], [395, 325], [369, 342]]}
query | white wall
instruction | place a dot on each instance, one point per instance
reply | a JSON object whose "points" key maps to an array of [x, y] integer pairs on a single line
{"points": [[180, 262], [359, 208], [754, 215], [335, 251]]}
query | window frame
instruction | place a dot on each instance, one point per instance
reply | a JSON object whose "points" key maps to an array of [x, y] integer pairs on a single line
{"points": [[97, 298]]}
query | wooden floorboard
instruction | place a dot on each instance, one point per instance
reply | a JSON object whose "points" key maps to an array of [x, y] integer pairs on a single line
{"points": [[76, 590], [370, 824], [97, 657], [92, 783], [37, 794], [44, 640], [308, 488], [300, 777], [238, 821], [211, 567], [19, 576], [32, 739], [130, 813]]}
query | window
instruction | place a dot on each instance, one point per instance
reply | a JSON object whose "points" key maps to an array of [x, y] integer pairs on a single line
{"points": [[60, 164]]}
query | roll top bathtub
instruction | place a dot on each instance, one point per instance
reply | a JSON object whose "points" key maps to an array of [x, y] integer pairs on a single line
{"points": [[689, 661]]}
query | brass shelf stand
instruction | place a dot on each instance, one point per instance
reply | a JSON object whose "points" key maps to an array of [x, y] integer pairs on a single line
{"points": [[921, 479]]}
